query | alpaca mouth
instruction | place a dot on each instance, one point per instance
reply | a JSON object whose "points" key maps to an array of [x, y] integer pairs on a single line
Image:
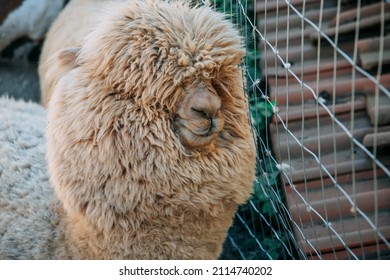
{"points": [[194, 139], [205, 129], [195, 134]]}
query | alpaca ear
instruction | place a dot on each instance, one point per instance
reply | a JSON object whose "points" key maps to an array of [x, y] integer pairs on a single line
{"points": [[67, 58], [54, 68]]}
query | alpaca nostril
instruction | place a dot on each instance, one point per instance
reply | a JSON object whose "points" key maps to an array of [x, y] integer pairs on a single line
{"points": [[207, 113], [199, 111]]}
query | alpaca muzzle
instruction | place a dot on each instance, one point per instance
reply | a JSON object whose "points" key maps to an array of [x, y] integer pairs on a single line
{"points": [[199, 118]]}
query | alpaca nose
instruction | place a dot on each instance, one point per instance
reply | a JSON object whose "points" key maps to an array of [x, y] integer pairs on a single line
{"points": [[200, 117], [208, 106], [207, 114], [208, 117]]}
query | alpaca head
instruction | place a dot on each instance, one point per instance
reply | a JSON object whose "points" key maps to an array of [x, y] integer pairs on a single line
{"points": [[175, 59]]}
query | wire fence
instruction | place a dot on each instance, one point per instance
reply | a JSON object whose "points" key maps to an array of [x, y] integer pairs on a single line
{"points": [[318, 85]]}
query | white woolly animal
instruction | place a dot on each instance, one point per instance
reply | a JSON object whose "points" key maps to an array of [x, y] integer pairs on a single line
{"points": [[31, 19], [26, 215]]}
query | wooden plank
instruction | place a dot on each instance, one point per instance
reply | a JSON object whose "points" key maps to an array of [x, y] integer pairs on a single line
{"points": [[343, 87], [309, 131], [363, 253], [335, 207], [292, 20], [344, 225], [345, 180], [294, 112], [368, 11], [314, 66], [378, 108], [370, 60], [381, 139], [289, 148], [272, 5], [323, 191], [310, 169], [369, 19], [352, 239], [328, 142], [353, 231], [369, 52]]}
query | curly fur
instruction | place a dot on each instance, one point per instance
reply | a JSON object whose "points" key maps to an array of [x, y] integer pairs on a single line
{"points": [[136, 175]]}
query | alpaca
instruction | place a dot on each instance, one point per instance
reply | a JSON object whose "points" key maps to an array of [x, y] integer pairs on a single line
{"points": [[150, 150]]}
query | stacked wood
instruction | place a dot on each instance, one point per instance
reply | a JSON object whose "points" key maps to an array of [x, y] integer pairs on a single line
{"points": [[332, 93]]}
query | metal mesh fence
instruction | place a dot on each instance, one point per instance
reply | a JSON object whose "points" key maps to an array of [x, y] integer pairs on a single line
{"points": [[318, 85]]}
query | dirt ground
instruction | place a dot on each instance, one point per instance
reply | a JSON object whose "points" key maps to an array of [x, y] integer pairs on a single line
{"points": [[18, 73]]}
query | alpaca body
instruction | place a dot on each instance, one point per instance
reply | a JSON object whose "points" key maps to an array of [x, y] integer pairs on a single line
{"points": [[135, 177]]}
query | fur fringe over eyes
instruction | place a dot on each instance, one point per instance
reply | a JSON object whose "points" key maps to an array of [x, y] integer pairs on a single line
{"points": [[156, 46], [128, 186]]}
